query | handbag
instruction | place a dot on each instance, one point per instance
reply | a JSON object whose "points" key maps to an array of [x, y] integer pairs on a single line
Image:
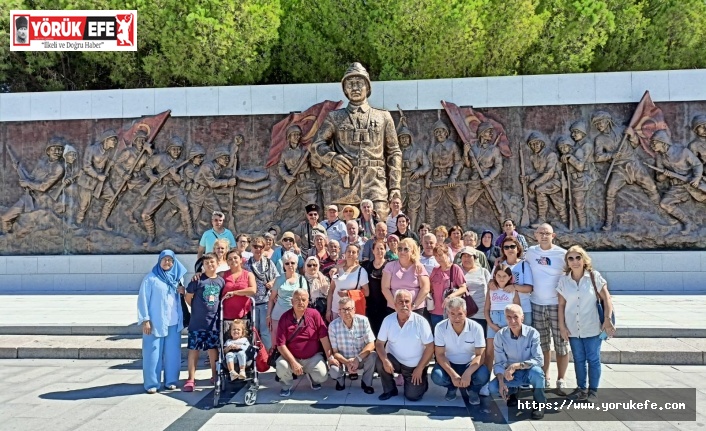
{"points": [[262, 357], [318, 304], [471, 306], [429, 302], [599, 303], [358, 296], [272, 359]]}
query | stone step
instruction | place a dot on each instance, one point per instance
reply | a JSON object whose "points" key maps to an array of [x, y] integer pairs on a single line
{"points": [[677, 351]]}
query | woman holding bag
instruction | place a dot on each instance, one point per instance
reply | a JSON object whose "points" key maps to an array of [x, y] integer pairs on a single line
{"points": [[347, 276], [318, 285], [446, 280], [579, 291]]}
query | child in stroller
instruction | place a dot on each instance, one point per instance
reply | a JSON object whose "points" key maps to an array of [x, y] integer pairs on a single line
{"points": [[236, 349]]}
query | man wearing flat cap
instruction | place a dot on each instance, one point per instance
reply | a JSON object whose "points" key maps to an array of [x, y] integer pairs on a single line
{"points": [[21, 27], [306, 229], [358, 146]]}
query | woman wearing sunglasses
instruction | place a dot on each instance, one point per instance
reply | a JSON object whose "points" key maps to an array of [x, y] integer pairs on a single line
{"points": [[349, 275], [512, 253], [444, 279], [283, 290], [406, 273], [578, 291], [318, 285]]}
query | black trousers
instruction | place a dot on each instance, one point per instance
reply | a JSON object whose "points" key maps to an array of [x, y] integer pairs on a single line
{"points": [[411, 391]]}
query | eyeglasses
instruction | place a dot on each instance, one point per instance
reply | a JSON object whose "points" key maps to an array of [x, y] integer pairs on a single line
{"points": [[509, 247], [404, 249], [348, 309], [348, 211], [257, 247], [289, 263], [313, 214], [311, 265], [572, 258], [287, 240]]}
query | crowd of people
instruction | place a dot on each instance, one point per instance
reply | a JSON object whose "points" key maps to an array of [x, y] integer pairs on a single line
{"points": [[361, 296]]}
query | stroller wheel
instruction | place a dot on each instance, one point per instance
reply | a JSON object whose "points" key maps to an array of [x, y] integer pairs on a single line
{"points": [[250, 397]]}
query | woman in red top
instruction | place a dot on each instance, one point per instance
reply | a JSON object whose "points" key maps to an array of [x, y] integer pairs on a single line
{"points": [[444, 278], [240, 286]]}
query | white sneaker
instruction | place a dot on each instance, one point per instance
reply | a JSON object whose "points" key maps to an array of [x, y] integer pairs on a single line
{"points": [[561, 387], [484, 391], [547, 384]]}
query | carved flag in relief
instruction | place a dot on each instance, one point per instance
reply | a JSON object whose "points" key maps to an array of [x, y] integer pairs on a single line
{"points": [[309, 121], [151, 125], [466, 122], [646, 120]]}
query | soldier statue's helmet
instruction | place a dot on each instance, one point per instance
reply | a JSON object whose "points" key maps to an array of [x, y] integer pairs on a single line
{"points": [[110, 133], [357, 69], [175, 141], [68, 148], [579, 125], [661, 136], [404, 131], [293, 129], [140, 134], [440, 125], [54, 142], [196, 150], [600, 115], [482, 127], [564, 141], [536, 137], [220, 152], [697, 121]]}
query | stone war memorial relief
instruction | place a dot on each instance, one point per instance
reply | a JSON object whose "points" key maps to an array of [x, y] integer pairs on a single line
{"points": [[608, 176]]}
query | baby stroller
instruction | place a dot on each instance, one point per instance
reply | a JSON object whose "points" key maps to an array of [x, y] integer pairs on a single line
{"points": [[222, 374]]}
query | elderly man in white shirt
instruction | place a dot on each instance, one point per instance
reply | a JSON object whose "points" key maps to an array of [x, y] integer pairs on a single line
{"points": [[353, 345], [460, 345], [335, 227], [405, 345]]}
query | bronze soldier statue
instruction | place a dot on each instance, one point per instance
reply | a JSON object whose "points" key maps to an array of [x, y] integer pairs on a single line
{"points": [[490, 162], [446, 162], [97, 162], [196, 156], [679, 160], [131, 171], [164, 172], [627, 168], [546, 180], [581, 169], [415, 165], [360, 144], [68, 196], [39, 185], [295, 170], [698, 145], [208, 178]]}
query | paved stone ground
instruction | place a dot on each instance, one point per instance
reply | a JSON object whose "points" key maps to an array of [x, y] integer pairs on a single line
{"points": [[62, 395]]}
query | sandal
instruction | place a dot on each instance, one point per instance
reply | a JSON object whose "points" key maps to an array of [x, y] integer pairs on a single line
{"points": [[188, 386]]}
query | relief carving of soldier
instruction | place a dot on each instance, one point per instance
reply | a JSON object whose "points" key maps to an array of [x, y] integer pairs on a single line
{"points": [[208, 179], [546, 179], [676, 160], [628, 169], [581, 169], [69, 193], [131, 171], [38, 184], [698, 145], [93, 183], [188, 175], [295, 170], [164, 170], [360, 143], [415, 165], [490, 162], [446, 162]]}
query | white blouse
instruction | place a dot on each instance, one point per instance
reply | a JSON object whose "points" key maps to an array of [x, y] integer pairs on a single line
{"points": [[581, 314]]}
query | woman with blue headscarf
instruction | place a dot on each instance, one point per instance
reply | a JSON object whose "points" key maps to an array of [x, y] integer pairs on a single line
{"points": [[160, 314]]}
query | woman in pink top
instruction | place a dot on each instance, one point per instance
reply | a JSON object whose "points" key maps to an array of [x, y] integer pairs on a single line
{"points": [[446, 275], [407, 273]]}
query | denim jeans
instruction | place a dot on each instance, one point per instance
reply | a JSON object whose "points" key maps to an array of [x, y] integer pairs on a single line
{"points": [[435, 319], [534, 376], [261, 325], [441, 378], [587, 350]]}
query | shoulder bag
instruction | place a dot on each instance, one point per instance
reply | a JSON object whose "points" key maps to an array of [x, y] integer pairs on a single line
{"points": [[272, 360], [599, 303], [471, 306], [358, 296]]}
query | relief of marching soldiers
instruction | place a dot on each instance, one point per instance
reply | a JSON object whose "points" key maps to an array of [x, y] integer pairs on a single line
{"points": [[561, 172]]}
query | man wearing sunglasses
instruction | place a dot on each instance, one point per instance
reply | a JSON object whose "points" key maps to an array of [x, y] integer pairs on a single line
{"points": [[306, 229], [546, 261]]}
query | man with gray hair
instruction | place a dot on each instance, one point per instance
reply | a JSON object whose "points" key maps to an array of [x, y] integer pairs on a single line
{"points": [[405, 345], [353, 346], [380, 233], [518, 360], [352, 237], [460, 345]]}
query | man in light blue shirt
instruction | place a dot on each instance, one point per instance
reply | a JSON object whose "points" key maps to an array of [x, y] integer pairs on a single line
{"points": [[217, 232], [518, 360]]}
